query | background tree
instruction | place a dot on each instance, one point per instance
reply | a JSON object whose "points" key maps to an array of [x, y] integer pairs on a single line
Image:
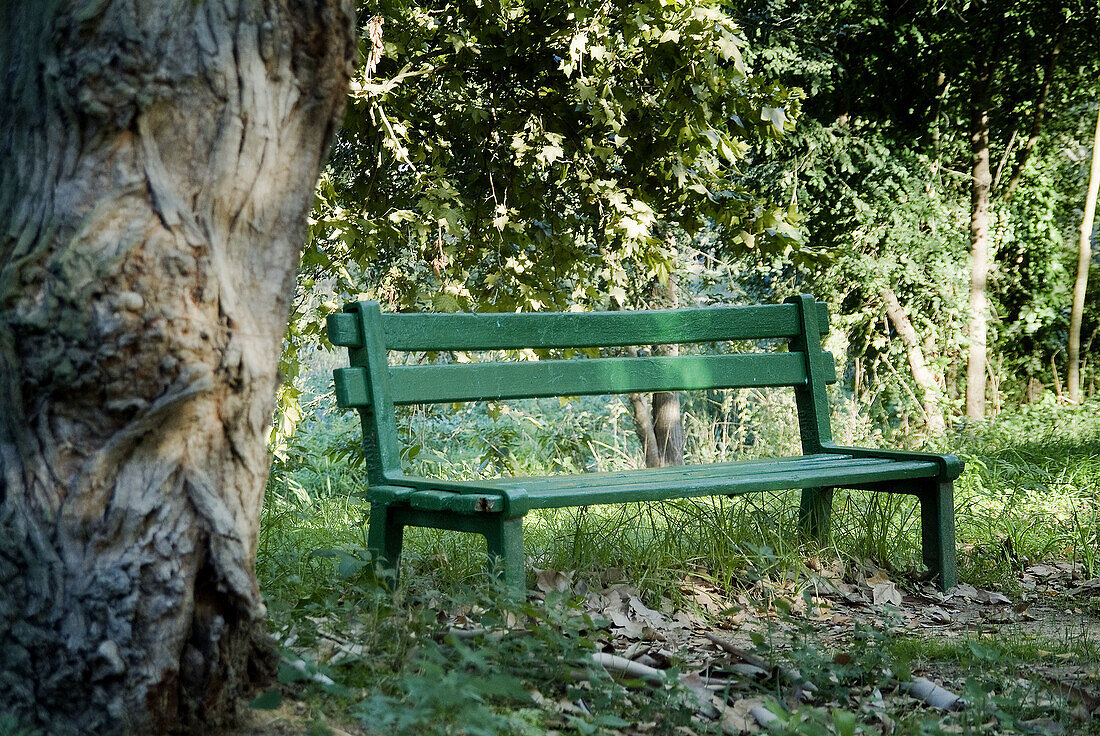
{"points": [[157, 167], [1084, 262], [522, 156], [884, 168]]}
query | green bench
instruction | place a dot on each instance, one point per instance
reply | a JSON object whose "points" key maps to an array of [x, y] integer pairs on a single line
{"points": [[495, 508]]}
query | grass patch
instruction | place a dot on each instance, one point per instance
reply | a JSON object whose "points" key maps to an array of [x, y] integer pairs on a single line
{"points": [[359, 650]]}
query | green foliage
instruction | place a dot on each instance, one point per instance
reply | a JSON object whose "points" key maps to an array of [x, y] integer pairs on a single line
{"points": [[879, 165], [1031, 487], [9, 726], [510, 155]]}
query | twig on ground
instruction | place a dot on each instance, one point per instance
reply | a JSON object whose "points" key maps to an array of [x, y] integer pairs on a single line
{"points": [[791, 676], [706, 701], [628, 667], [762, 715], [932, 694]]}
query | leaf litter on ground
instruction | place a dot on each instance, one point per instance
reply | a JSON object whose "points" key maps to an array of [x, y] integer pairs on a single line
{"points": [[709, 640]]}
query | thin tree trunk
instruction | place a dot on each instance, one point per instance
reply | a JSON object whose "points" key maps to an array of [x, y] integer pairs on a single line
{"points": [[942, 85], [157, 163], [668, 425], [668, 428], [979, 246], [931, 393], [642, 411], [1084, 260]]}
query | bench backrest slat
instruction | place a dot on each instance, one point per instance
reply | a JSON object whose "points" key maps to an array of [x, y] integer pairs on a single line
{"points": [[510, 331], [374, 387], [530, 379]]}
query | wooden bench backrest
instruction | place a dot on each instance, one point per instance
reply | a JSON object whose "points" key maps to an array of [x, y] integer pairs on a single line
{"points": [[373, 386]]}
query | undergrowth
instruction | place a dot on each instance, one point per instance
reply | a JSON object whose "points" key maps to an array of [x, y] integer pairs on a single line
{"points": [[1028, 493], [357, 647]]}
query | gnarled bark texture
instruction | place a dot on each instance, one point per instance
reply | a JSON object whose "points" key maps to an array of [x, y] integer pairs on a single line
{"points": [[157, 163]]}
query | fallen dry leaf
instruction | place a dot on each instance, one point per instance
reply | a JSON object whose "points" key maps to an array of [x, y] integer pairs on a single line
{"points": [[553, 581], [1090, 587], [737, 719], [937, 615], [991, 597], [964, 590], [885, 592]]}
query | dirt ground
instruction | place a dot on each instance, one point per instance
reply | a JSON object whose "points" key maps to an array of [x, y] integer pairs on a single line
{"points": [[1052, 603]]}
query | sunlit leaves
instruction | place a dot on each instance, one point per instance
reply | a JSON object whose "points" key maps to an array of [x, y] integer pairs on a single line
{"points": [[516, 155]]}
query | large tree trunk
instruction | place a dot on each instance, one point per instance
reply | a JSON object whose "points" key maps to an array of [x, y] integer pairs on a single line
{"points": [[980, 181], [1084, 260], [930, 387], [157, 163]]}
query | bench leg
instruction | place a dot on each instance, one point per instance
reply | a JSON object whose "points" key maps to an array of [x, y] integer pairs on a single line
{"points": [[505, 542], [384, 536], [937, 529], [815, 513]]}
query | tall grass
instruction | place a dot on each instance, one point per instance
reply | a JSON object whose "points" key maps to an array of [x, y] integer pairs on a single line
{"points": [[360, 648], [1029, 492]]}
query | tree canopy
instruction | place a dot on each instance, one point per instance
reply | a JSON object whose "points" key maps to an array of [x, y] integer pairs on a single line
{"points": [[523, 155], [535, 155]]}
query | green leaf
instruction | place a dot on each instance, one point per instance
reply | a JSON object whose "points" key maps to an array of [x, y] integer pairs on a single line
{"points": [[777, 116], [270, 700], [844, 722], [445, 303], [289, 674], [550, 154]]}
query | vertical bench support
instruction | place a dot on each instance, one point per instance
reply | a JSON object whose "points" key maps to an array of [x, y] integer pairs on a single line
{"points": [[503, 537], [815, 513], [815, 429], [385, 536], [504, 540], [937, 529]]}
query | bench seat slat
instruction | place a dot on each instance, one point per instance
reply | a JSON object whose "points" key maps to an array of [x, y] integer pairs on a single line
{"points": [[856, 472], [656, 475], [508, 330], [681, 482], [542, 378], [696, 473]]}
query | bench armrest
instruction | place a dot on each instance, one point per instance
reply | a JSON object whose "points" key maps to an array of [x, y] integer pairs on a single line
{"points": [[951, 467], [513, 501]]}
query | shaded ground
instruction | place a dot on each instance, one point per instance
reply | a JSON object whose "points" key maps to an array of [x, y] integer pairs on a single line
{"points": [[784, 643]]}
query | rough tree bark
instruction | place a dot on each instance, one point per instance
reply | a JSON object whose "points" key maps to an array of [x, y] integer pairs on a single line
{"points": [[1084, 261], [930, 386], [980, 181], [668, 428], [157, 163], [642, 411], [659, 427]]}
